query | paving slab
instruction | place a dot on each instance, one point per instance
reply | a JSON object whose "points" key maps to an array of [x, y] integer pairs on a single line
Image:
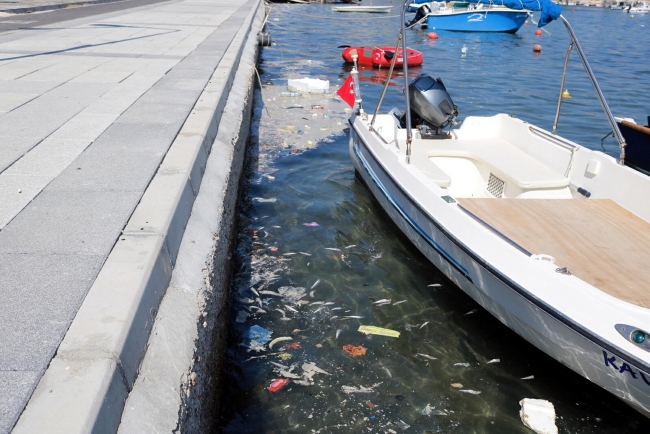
{"points": [[89, 111]]}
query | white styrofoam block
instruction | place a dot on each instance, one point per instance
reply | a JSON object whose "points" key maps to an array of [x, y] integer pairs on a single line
{"points": [[538, 415]]}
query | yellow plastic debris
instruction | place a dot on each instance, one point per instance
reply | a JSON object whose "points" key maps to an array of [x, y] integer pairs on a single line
{"points": [[565, 94], [372, 330]]}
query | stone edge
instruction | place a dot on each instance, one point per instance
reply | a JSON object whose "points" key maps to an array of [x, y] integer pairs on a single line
{"points": [[86, 384], [178, 385], [30, 9]]}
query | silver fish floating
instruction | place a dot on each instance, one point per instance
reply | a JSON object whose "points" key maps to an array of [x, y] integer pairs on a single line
{"points": [[399, 302], [353, 317], [338, 332], [315, 284], [425, 323], [434, 285], [291, 308], [464, 365], [382, 301], [334, 249], [426, 356], [494, 361], [471, 392], [334, 317], [471, 312], [530, 377]]}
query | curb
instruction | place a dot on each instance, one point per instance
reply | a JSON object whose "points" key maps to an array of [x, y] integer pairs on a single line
{"points": [[30, 9], [177, 389], [86, 384]]}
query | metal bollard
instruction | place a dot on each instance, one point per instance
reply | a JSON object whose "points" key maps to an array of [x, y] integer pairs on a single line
{"points": [[264, 39]]}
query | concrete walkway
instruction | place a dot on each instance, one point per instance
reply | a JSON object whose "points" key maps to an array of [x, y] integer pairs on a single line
{"points": [[88, 111]]}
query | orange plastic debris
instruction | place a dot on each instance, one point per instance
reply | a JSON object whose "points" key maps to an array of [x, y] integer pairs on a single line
{"points": [[293, 346], [370, 404], [355, 351]]}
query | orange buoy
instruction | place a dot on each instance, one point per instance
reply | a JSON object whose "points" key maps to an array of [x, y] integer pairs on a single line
{"points": [[538, 32], [432, 35], [537, 48]]}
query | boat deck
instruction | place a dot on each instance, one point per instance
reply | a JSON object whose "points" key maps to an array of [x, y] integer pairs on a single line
{"points": [[599, 242]]}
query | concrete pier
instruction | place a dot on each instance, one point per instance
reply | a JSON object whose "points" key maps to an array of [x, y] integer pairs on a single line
{"points": [[122, 138]]}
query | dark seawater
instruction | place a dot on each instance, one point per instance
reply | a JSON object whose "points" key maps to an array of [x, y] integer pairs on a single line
{"points": [[300, 172]]}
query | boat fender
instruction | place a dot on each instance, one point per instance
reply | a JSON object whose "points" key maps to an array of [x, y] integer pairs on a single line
{"points": [[584, 192], [264, 39]]}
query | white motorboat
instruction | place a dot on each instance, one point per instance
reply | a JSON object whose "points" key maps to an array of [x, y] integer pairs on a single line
{"points": [[550, 237], [640, 8], [366, 9]]}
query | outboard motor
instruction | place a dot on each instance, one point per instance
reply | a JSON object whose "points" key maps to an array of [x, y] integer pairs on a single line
{"points": [[432, 108], [420, 16]]}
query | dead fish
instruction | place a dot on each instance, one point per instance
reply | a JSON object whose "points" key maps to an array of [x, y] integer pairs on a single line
{"points": [[302, 302], [350, 246], [304, 253], [282, 312], [435, 285], [315, 302], [472, 311], [387, 372], [258, 309], [246, 300], [338, 332], [288, 254], [279, 365], [285, 319], [336, 308], [329, 303], [426, 356], [530, 377], [315, 284], [334, 249], [399, 302], [471, 392], [311, 294], [465, 365], [254, 291], [277, 294], [494, 361], [382, 301], [319, 309], [334, 317], [425, 323], [302, 382], [353, 317], [291, 309]]}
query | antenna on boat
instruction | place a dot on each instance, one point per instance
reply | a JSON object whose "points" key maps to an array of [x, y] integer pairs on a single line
{"points": [[409, 133], [599, 93]]}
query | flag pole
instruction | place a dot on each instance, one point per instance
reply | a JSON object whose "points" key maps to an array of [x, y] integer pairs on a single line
{"points": [[355, 79]]}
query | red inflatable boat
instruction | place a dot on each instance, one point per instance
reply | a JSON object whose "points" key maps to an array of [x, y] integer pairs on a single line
{"points": [[380, 57]]}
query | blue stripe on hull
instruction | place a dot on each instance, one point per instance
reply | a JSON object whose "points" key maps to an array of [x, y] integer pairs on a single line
{"points": [[478, 21]]}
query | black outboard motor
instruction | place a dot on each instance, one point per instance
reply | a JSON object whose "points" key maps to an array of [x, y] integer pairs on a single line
{"points": [[420, 16], [432, 108]]}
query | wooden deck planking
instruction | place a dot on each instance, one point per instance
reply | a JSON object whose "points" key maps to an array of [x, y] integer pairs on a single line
{"points": [[596, 239]]}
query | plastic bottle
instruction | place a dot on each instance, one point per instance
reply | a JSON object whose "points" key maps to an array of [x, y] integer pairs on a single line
{"points": [[292, 93]]}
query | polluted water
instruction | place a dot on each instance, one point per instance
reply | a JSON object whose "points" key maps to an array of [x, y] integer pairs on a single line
{"points": [[337, 323]]}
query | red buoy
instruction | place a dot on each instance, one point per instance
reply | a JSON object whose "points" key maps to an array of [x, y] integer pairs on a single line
{"points": [[537, 48], [432, 35], [538, 32], [526, 22]]}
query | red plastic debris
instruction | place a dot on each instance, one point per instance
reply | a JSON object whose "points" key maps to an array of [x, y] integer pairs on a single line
{"points": [[277, 384], [293, 346]]}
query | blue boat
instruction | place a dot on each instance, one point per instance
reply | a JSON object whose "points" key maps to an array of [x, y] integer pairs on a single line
{"points": [[477, 19], [481, 16]]}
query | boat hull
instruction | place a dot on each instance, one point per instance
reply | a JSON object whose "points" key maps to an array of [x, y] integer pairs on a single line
{"points": [[508, 21], [377, 57], [538, 323]]}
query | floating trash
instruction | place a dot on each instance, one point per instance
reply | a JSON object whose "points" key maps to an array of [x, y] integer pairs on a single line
{"points": [[258, 336], [276, 340], [372, 330], [538, 415], [277, 384], [293, 346], [457, 385], [355, 350]]}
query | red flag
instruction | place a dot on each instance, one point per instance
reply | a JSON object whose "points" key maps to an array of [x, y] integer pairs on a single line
{"points": [[346, 91]]}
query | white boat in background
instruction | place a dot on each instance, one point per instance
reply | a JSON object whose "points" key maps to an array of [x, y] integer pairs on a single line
{"points": [[550, 237], [367, 9], [640, 8]]}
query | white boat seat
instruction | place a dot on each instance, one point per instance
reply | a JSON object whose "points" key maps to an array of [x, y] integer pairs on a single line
{"points": [[431, 170], [505, 161]]}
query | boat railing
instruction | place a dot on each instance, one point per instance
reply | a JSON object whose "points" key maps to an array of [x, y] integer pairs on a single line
{"points": [[594, 82]]}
